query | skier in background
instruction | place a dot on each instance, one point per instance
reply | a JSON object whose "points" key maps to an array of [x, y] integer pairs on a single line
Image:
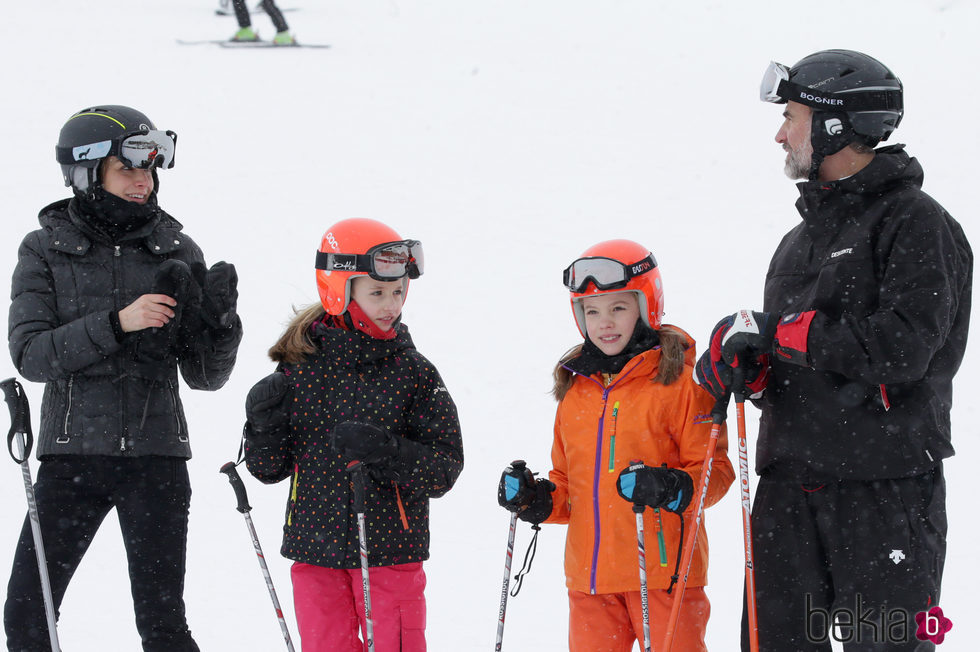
{"points": [[867, 308], [350, 385], [245, 32], [625, 394], [110, 298]]}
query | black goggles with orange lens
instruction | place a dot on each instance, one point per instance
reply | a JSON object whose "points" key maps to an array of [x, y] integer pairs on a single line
{"points": [[384, 262], [604, 273]]}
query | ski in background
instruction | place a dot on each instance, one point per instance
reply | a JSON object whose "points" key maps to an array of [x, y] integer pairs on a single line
{"points": [[253, 44]]}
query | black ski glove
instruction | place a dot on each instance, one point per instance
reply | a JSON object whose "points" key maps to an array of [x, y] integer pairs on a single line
{"points": [[219, 293], [366, 442], [656, 486], [173, 278], [520, 492], [267, 412]]}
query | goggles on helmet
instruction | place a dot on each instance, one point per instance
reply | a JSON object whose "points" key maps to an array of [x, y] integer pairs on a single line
{"points": [[143, 149], [778, 89], [604, 273], [384, 262]]}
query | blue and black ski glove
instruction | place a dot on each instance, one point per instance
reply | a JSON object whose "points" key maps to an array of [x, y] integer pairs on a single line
{"points": [[656, 486], [267, 419], [365, 442], [521, 493]]}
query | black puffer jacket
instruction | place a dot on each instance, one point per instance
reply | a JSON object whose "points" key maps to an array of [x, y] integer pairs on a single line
{"points": [[889, 274], [385, 382], [102, 396]]}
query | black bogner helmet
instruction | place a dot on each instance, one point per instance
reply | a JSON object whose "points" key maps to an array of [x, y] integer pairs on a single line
{"points": [[94, 133], [854, 98]]}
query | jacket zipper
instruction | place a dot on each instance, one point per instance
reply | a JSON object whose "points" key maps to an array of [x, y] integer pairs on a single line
{"points": [[597, 474], [660, 539], [117, 283], [66, 437], [612, 439], [173, 399], [884, 398]]}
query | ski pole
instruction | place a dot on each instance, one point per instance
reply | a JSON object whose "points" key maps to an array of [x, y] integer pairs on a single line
{"points": [[638, 509], [20, 432], [717, 418], [243, 507], [738, 385], [356, 470], [518, 467]]}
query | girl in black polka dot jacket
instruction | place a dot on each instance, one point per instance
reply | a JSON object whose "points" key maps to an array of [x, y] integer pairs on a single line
{"points": [[351, 386]]}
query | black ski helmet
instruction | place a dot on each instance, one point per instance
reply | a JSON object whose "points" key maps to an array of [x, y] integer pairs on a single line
{"points": [[92, 134], [854, 98]]}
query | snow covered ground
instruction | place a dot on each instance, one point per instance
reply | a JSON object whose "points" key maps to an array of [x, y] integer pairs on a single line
{"points": [[507, 136]]}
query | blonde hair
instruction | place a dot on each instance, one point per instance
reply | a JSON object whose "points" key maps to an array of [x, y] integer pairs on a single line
{"points": [[296, 343], [673, 347]]}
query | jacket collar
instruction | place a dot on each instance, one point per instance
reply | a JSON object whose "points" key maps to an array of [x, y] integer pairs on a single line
{"points": [[824, 205], [69, 236]]}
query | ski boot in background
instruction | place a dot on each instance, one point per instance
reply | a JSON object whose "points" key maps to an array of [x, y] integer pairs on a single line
{"points": [[245, 35], [284, 38]]}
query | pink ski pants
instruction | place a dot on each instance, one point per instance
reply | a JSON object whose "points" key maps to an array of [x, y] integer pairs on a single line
{"points": [[329, 607]]}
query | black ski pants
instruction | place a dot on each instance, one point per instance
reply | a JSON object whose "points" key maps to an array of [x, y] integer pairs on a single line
{"points": [[866, 555], [244, 20], [74, 494]]}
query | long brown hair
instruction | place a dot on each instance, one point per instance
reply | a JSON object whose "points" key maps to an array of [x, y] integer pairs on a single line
{"points": [[295, 343], [673, 346]]}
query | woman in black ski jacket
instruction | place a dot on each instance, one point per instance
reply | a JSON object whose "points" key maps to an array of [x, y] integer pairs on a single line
{"points": [[350, 385], [109, 298]]}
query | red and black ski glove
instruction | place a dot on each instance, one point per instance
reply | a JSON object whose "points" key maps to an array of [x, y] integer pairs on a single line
{"points": [[656, 486], [521, 493], [746, 340]]}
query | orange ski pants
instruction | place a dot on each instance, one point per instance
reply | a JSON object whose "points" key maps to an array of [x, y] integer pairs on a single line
{"points": [[610, 622]]}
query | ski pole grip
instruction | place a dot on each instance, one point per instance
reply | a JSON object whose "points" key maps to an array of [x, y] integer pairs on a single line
{"points": [[738, 384], [20, 418], [239, 487], [356, 470]]}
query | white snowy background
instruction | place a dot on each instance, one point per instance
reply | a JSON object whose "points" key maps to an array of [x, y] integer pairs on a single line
{"points": [[507, 136]]}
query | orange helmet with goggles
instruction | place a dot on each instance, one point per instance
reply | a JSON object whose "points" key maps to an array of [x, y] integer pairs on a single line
{"points": [[362, 247], [616, 266]]}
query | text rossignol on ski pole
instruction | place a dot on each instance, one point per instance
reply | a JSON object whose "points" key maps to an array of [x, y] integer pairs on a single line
{"points": [[638, 509], [356, 470], [21, 434], [517, 465], [718, 415], [243, 507]]}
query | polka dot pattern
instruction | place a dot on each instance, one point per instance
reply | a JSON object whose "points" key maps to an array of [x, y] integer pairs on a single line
{"points": [[387, 383]]}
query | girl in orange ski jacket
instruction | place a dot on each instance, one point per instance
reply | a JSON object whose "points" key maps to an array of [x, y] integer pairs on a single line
{"points": [[625, 395]]}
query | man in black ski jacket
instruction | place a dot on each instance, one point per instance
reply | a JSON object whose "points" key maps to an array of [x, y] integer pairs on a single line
{"points": [[866, 313], [109, 299]]}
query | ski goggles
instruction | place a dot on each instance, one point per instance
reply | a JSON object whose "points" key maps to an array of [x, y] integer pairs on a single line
{"points": [[604, 273], [145, 149], [778, 89], [384, 262]]}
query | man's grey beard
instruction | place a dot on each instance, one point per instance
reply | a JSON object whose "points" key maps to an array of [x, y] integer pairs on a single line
{"points": [[798, 162]]}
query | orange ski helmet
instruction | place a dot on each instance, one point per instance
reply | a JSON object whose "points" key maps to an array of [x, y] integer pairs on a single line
{"points": [[616, 266], [362, 247]]}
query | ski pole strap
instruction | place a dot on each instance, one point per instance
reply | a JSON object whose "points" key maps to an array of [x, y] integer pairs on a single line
{"points": [[20, 418], [677, 565], [532, 549], [239, 487]]}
